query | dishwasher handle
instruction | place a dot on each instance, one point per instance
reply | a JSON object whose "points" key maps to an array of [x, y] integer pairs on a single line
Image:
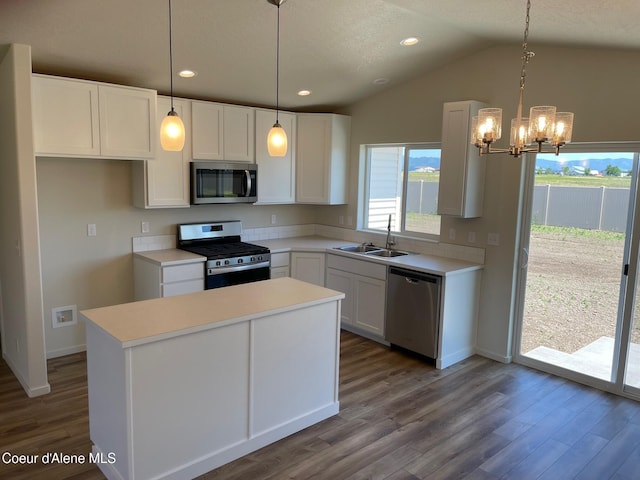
{"points": [[414, 277]]}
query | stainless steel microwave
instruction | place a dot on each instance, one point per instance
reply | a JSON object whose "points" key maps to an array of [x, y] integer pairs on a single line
{"points": [[215, 182]]}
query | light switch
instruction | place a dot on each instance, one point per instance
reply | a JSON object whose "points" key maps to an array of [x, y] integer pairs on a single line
{"points": [[91, 230], [493, 239]]}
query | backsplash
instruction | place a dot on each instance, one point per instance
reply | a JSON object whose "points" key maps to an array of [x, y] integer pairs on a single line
{"points": [[448, 250]]}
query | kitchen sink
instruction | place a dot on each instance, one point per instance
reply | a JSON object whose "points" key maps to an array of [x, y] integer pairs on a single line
{"points": [[387, 253], [360, 248]]}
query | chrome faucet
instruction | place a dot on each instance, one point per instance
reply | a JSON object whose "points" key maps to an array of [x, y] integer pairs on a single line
{"points": [[389, 241]]}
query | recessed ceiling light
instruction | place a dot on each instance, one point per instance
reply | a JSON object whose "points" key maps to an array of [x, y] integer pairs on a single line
{"points": [[407, 42], [304, 93], [381, 81], [187, 73]]}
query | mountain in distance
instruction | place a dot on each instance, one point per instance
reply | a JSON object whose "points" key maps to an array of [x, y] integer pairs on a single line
{"points": [[599, 164], [420, 162]]}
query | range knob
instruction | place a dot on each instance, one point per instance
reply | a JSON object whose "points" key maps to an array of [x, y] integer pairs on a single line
{"points": [[259, 258], [217, 263], [240, 260], [253, 259], [226, 262]]}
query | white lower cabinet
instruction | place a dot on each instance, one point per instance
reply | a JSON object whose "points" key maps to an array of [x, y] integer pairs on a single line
{"points": [[151, 280], [364, 285], [279, 265], [308, 267]]}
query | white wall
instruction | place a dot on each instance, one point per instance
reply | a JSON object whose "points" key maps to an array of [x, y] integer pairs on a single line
{"points": [[597, 85], [97, 271], [20, 280]]}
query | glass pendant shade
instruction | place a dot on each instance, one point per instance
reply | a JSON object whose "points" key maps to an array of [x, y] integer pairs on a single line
{"points": [[541, 121], [277, 141], [520, 133], [562, 129], [172, 132], [489, 124]]}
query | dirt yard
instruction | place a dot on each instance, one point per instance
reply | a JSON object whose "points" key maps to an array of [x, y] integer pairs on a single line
{"points": [[573, 287]]}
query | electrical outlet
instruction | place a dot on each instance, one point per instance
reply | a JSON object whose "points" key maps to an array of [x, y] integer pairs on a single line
{"points": [[452, 234], [91, 230], [273, 219], [471, 237], [144, 227], [493, 239], [341, 219]]}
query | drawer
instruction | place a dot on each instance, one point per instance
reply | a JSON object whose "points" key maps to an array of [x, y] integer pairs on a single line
{"points": [[279, 272], [178, 273], [180, 288], [360, 267], [280, 259]]}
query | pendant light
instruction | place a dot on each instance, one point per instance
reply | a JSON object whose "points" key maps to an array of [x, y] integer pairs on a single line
{"points": [[543, 126], [277, 138], [172, 128]]}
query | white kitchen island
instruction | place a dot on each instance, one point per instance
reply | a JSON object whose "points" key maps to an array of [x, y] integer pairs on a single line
{"points": [[181, 385]]}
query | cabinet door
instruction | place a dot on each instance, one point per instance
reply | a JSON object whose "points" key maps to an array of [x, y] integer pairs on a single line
{"points": [[127, 122], [308, 267], [462, 169], [342, 282], [65, 117], [166, 182], [239, 133], [312, 157], [277, 181], [322, 158], [369, 298], [207, 125]]}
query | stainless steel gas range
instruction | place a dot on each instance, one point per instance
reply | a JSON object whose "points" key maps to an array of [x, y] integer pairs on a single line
{"points": [[229, 260]]}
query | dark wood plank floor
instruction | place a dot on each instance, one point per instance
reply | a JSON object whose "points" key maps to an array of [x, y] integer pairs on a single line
{"points": [[400, 419]]}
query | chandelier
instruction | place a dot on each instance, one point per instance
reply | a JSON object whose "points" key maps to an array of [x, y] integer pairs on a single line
{"points": [[543, 127]]}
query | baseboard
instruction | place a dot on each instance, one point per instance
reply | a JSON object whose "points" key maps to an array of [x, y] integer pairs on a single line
{"points": [[454, 357], [61, 352], [30, 391], [494, 356]]}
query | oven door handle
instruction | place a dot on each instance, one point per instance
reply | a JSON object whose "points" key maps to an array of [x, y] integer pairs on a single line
{"points": [[247, 176], [237, 268]]}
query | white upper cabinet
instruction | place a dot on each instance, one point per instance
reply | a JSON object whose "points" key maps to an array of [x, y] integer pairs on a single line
{"points": [[77, 118], [164, 181], [222, 132], [127, 122], [239, 133], [65, 116], [207, 125], [462, 169], [277, 180], [322, 158]]}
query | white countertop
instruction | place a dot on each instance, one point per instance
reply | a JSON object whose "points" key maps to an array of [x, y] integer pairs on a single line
{"points": [[172, 256], [151, 320], [419, 262]]}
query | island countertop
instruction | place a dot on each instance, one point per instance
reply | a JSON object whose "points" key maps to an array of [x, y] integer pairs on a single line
{"points": [[151, 320]]}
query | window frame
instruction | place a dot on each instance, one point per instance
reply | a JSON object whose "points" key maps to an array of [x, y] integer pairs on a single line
{"points": [[364, 208]]}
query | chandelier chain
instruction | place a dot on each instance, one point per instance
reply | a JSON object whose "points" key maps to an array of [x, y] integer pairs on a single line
{"points": [[526, 54]]}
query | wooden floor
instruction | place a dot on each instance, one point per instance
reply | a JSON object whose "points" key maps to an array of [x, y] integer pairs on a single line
{"points": [[399, 419]]}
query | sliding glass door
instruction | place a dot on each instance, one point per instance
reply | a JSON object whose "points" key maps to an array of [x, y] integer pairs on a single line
{"points": [[577, 282]]}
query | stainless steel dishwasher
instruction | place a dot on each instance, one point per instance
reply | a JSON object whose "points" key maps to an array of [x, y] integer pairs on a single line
{"points": [[413, 311]]}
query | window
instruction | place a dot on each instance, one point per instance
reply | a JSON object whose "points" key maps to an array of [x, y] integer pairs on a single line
{"points": [[402, 181]]}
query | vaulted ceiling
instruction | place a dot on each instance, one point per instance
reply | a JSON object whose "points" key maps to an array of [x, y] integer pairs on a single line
{"points": [[341, 50]]}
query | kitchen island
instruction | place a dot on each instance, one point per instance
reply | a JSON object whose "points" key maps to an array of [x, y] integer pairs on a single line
{"points": [[181, 385]]}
